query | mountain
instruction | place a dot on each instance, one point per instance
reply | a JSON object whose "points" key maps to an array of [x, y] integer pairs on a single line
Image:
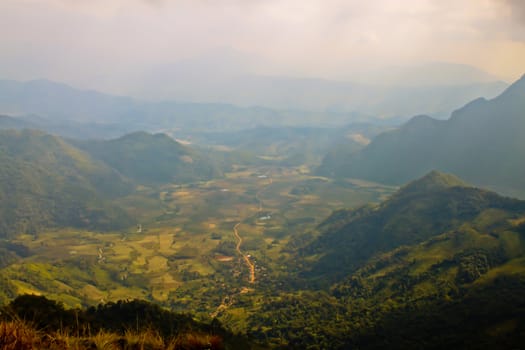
{"points": [[7, 122], [481, 142], [64, 110], [152, 159], [314, 94], [46, 182], [60, 101], [423, 209], [77, 113], [228, 76], [438, 265], [48, 104]]}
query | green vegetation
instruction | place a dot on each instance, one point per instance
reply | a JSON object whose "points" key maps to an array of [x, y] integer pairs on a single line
{"points": [[393, 270], [420, 211], [48, 183], [152, 159], [350, 282], [393, 287]]}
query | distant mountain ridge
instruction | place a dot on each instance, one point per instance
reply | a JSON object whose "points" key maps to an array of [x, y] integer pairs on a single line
{"points": [[482, 142], [63, 110], [229, 76], [59, 108]]}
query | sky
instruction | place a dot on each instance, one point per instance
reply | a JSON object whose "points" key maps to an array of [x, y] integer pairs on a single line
{"points": [[105, 43]]}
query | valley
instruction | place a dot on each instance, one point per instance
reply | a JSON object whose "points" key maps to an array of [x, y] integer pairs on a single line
{"points": [[262, 175], [281, 233], [194, 247], [254, 239]]}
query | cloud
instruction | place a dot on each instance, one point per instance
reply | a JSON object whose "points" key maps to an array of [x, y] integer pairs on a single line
{"points": [[94, 40], [517, 9]]}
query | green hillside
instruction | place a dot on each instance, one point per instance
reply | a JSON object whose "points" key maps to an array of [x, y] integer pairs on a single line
{"points": [[152, 159], [481, 142], [438, 265], [45, 182], [423, 209]]}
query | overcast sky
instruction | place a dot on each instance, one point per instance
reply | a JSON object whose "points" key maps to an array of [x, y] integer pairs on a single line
{"points": [[95, 43]]}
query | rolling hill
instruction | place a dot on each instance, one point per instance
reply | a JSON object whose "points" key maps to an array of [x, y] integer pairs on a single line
{"points": [[152, 159], [46, 182], [482, 143]]}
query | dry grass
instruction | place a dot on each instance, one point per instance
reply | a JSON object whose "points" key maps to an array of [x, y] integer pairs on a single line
{"points": [[18, 335], [192, 341]]}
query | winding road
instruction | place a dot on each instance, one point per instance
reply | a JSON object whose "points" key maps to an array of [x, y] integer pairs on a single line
{"points": [[229, 300], [251, 266]]}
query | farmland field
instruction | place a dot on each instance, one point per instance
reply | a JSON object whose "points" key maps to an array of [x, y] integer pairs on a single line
{"points": [[182, 252]]}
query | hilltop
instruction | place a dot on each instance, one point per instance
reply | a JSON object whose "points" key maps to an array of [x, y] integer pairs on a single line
{"points": [[152, 158]]}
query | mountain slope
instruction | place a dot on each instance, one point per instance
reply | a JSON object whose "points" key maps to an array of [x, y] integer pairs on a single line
{"points": [[47, 182], [482, 143], [152, 159], [438, 265], [426, 208], [60, 101]]}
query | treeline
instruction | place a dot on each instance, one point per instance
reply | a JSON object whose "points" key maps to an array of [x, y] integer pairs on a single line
{"points": [[489, 316], [125, 321]]}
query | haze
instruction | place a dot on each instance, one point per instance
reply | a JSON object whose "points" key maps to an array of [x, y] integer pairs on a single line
{"points": [[124, 46]]}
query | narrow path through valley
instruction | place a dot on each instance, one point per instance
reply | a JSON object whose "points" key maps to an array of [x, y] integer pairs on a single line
{"points": [[251, 266], [229, 300]]}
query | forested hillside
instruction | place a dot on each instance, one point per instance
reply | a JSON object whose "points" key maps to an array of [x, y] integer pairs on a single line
{"points": [[440, 264], [152, 159], [46, 182]]}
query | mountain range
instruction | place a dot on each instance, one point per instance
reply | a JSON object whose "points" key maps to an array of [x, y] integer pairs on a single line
{"points": [[482, 143], [227, 75], [77, 113]]}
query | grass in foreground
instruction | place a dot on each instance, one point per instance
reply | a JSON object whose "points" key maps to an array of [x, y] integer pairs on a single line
{"points": [[19, 335]]}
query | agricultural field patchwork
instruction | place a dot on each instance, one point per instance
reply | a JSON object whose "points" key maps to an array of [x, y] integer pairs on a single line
{"points": [[182, 251]]}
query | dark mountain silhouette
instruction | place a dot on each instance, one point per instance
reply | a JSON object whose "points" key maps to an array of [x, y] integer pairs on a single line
{"points": [[482, 143]]}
